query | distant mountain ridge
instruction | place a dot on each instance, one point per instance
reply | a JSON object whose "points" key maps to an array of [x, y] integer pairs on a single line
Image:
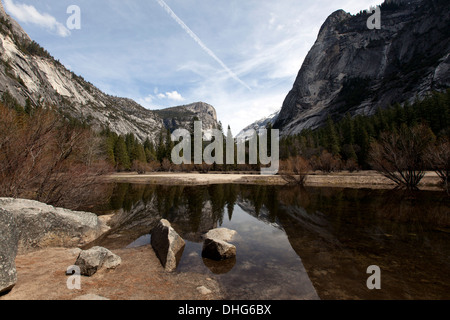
{"points": [[28, 72], [257, 125], [352, 69]]}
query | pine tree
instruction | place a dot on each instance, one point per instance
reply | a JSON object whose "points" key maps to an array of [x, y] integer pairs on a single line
{"points": [[331, 138], [161, 149], [130, 142], [148, 144], [121, 154], [169, 145], [149, 150], [139, 153]]}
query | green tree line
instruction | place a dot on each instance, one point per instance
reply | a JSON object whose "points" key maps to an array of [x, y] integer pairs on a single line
{"points": [[349, 139]]}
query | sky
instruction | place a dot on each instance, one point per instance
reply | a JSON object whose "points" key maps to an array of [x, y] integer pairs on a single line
{"points": [[240, 56]]}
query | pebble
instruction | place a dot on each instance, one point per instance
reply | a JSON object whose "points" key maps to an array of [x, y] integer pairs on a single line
{"points": [[204, 291]]}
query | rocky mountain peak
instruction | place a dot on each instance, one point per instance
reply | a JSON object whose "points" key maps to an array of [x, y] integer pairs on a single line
{"points": [[2, 10], [29, 73], [15, 28], [183, 116], [332, 21], [353, 69]]}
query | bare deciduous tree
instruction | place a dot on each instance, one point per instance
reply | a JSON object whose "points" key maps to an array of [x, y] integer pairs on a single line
{"points": [[295, 170], [400, 156], [438, 158], [44, 158], [326, 162]]}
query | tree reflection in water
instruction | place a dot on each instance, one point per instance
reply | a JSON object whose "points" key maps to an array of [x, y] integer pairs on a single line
{"points": [[335, 233]]}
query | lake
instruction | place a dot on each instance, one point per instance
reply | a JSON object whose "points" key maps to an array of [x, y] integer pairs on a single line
{"points": [[298, 243]]}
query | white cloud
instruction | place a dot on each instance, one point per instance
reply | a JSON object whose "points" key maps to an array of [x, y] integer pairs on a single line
{"points": [[29, 14], [174, 96]]}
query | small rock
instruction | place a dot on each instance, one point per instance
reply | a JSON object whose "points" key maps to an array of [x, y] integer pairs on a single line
{"points": [[216, 247], [218, 250], [90, 261], [204, 291], [168, 245]]}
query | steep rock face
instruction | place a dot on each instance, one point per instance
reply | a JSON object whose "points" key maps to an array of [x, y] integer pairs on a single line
{"points": [[354, 69], [182, 116], [29, 72]]}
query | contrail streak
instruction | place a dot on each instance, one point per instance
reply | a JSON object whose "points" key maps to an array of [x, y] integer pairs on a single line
{"points": [[200, 42]]}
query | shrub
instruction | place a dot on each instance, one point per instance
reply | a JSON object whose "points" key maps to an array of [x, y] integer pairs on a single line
{"points": [[438, 158], [295, 170], [44, 158], [401, 156]]}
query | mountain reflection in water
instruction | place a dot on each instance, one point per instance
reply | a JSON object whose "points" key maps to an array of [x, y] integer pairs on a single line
{"points": [[297, 243]]}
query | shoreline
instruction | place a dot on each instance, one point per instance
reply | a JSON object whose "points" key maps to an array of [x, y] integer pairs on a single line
{"points": [[42, 276], [344, 179]]}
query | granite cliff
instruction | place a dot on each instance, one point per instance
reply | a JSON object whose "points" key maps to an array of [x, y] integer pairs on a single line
{"points": [[31, 75], [353, 69]]}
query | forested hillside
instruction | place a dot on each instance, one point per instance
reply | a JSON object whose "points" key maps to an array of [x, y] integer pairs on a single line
{"points": [[350, 138]]}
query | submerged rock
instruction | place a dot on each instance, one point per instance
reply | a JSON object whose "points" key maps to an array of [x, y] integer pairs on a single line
{"points": [[9, 239], [168, 245], [90, 261]]}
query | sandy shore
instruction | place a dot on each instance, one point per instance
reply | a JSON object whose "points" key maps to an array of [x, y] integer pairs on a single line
{"points": [[362, 179], [41, 276]]}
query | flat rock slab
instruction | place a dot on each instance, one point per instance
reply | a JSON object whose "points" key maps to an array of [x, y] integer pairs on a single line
{"points": [[168, 245], [41, 226], [90, 261]]}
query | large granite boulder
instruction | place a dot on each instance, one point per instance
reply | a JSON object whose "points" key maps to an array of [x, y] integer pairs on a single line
{"points": [[9, 239], [40, 225], [92, 260], [216, 246], [168, 245]]}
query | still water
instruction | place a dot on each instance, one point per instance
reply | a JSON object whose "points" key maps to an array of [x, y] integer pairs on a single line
{"points": [[297, 243]]}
